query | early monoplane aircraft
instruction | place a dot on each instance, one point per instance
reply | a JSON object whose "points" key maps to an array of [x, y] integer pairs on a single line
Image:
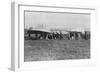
{"points": [[38, 33]]}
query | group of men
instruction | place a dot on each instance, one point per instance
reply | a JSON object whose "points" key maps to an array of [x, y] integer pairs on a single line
{"points": [[37, 35]]}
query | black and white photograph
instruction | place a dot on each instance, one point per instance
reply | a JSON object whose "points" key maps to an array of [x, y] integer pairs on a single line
{"points": [[50, 36]]}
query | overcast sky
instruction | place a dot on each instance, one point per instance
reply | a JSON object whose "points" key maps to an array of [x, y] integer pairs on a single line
{"points": [[51, 20]]}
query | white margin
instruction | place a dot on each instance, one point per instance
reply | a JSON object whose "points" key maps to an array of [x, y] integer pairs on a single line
{"points": [[16, 60]]}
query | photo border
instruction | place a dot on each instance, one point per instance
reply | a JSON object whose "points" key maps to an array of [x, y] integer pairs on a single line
{"points": [[16, 63]]}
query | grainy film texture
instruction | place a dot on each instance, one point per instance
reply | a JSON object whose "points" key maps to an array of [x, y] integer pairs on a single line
{"points": [[56, 36]]}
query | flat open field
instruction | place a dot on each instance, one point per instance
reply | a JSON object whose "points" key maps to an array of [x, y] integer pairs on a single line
{"points": [[42, 50]]}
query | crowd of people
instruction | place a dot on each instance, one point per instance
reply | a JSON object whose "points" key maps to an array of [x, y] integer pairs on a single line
{"points": [[53, 35]]}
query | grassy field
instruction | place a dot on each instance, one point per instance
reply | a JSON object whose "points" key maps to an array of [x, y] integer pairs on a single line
{"points": [[42, 50]]}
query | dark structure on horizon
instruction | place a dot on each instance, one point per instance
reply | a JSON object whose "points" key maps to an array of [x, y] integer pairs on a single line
{"points": [[37, 34]]}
